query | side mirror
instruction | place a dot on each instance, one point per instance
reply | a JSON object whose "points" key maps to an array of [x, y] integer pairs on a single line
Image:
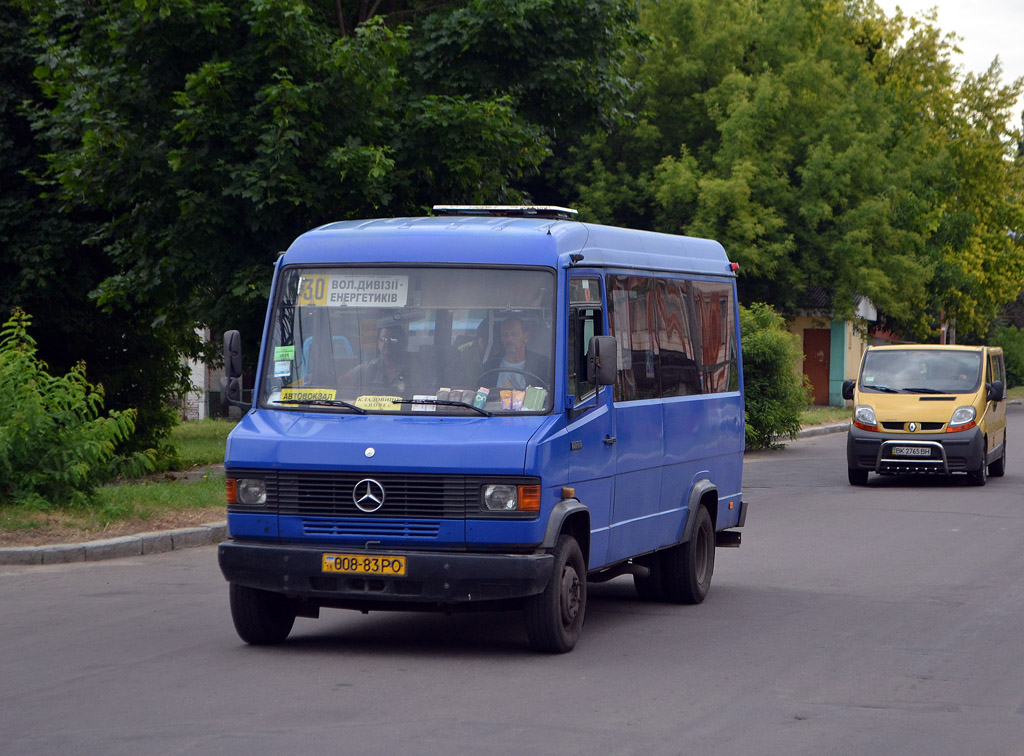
{"points": [[848, 387], [996, 391], [601, 360], [231, 383]]}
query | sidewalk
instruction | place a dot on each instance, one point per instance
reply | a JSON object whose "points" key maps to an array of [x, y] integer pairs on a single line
{"points": [[170, 540]]}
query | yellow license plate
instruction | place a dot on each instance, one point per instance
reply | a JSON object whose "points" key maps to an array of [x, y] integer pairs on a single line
{"points": [[364, 564]]}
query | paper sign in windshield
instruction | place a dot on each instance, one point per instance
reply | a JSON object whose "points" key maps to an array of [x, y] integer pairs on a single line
{"points": [[307, 394], [354, 290], [378, 403]]}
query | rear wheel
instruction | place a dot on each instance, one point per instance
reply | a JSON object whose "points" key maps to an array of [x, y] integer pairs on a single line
{"points": [[689, 566], [857, 477], [261, 617], [554, 618]]}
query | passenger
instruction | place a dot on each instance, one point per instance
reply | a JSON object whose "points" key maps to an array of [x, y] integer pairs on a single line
{"points": [[390, 368], [471, 355], [517, 367]]}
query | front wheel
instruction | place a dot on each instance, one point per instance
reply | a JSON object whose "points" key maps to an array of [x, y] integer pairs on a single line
{"points": [[979, 477], [689, 566], [554, 618], [857, 477], [261, 617], [998, 468]]}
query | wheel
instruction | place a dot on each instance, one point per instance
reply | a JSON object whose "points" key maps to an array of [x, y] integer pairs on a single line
{"points": [[554, 618], [689, 566], [857, 477], [979, 477], [652, 587], [261, 617], [998, 468]]}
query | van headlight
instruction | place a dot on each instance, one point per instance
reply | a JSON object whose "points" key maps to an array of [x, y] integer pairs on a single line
{"points": [[864, 417], [963, 419], [249, 491], [509, 497]]}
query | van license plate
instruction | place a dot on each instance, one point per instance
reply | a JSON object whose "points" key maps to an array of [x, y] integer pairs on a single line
{"points": [[912, 451], [364, 564]]}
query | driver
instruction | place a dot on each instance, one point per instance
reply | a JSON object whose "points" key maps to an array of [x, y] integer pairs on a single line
{"points": [[516, 367], [391, 366]]}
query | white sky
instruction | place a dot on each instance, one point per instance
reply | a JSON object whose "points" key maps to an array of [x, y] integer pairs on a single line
{"points": [[986, 28]]}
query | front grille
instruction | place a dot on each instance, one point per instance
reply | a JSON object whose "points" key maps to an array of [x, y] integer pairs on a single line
{"points": [[329, 494], [921, 427]]}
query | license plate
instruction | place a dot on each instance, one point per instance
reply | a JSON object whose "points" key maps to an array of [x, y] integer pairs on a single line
{"points": [[364, 564], [912, 451]]}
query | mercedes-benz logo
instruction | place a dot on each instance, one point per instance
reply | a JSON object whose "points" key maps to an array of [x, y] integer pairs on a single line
{"points": [[368, 495], [912, 427]]}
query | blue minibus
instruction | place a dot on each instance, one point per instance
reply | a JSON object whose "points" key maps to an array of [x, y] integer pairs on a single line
{"points": [[486, 408]]}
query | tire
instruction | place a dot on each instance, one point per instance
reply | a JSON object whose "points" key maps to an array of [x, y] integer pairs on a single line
{"points": [[979, 477], [261, 618], [688, 567], [555, 617], [857, 477], [998, 468]]}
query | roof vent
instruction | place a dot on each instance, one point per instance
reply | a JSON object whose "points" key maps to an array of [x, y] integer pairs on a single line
{"points": [[509, 211]]}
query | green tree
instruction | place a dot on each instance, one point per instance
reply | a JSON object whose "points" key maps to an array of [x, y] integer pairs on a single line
{"points": [[190, 141]]}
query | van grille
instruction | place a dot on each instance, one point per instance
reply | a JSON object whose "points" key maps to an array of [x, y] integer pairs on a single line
{"points": [[329, 494], [923, 427]]}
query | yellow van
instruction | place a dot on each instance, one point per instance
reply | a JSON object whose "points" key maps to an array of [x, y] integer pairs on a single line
{"points": [[928, 409]]}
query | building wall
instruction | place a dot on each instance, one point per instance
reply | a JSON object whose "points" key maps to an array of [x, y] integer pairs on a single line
{"points": [[847, 348]]}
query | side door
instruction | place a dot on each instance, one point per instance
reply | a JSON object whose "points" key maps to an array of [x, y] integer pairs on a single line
{"points": [[590, 430], [995, 370]]}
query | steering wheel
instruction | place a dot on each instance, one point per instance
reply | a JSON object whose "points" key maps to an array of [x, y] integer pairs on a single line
{"points": [[530, 377]]}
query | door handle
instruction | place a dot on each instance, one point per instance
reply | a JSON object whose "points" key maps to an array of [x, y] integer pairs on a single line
{"points": [[610, 440]]}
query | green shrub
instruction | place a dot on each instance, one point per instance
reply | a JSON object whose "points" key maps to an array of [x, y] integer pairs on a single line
{"points": [[55, 446], [1011, 339], [775, 395]]}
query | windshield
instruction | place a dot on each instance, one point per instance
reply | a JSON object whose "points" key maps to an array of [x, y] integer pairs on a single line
{"points": [[444, 340], [922, 371]]}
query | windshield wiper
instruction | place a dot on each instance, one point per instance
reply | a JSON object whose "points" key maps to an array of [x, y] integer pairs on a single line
{"points": [[324, 403], [445, 403], [886, 389], [923, 390]]}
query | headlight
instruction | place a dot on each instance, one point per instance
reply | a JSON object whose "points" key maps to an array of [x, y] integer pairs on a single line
{"points": [[251, 491], [506, 497], [501, 498], [864, 417], [963, 419]]}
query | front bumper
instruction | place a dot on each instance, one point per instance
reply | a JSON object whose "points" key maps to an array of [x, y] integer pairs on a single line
{"points": [[947, 452], [431, 579]]}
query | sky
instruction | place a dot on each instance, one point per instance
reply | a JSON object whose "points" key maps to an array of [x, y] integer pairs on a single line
{"points": [[986, 27]]}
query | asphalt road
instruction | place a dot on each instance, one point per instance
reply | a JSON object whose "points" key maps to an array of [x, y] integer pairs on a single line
{"points": [[877, 620]]}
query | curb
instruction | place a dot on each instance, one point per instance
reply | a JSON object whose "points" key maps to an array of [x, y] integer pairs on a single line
{"points": [[115, 548], [821, 430]]}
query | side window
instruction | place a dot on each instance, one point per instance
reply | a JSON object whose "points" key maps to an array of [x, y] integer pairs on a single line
{"points": [[715, 336], [679, 373], [585, 321], [632, 315]]}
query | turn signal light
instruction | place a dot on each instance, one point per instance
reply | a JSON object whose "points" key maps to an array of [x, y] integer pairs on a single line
{"points": [[529, 498]]}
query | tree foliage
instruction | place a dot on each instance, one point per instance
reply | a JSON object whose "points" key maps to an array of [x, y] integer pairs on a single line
{"points": [[833, 151], [55, 444], [187, 142], [775, 394]]}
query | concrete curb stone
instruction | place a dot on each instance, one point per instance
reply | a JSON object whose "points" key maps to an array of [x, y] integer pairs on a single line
{"points": [[116, 548]]}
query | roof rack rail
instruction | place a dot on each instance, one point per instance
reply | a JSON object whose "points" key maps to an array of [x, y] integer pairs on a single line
{"points": [[509, 211]]}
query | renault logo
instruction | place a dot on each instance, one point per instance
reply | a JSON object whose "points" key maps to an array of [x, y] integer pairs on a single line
{"points": [[912, 427], [368, 495]]}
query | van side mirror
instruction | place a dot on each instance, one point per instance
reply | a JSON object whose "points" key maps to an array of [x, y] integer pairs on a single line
{"points": [[231, 383], [848, 386], [996, 391], [601, 360]]}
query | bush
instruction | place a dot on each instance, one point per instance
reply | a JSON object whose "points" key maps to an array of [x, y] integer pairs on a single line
{"points": [[1011, 339], [55, 447], [775, 394]]}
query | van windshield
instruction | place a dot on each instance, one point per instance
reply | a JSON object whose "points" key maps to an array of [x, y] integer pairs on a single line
{"points": [[443, 340], [924, 371]]}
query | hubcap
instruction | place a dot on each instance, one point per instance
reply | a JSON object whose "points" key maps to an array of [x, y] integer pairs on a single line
{"points": [[570, 595]]}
